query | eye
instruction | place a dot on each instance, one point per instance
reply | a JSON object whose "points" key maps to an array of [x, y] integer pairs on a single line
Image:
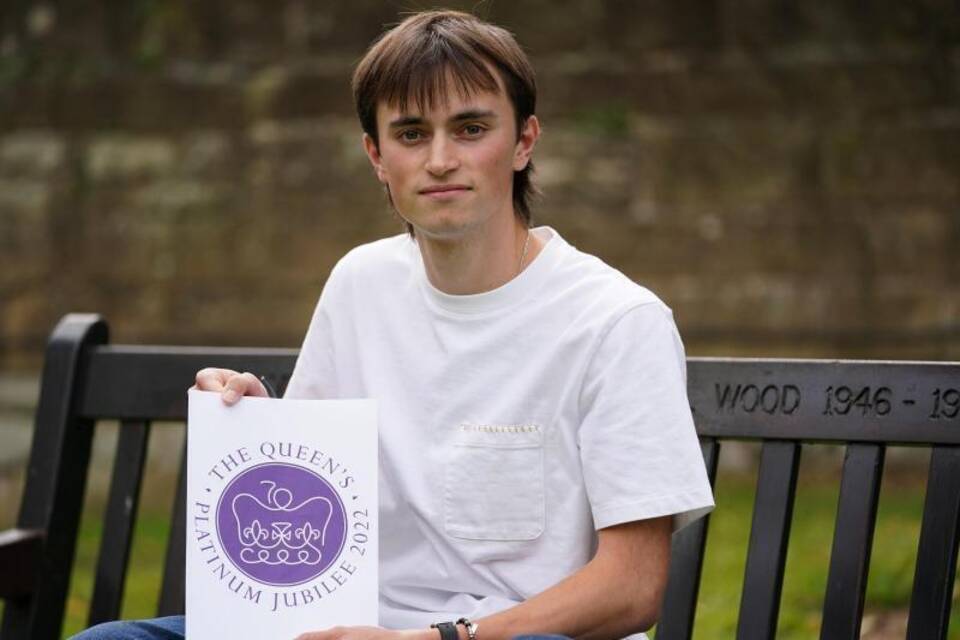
{"points": [[410, 135], [473, 130]]}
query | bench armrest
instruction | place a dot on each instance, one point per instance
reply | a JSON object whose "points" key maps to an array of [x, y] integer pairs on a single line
{"points": [[19, 561]]}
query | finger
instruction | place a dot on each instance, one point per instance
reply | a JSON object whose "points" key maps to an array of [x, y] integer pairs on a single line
{"points": [[242, 384], [213, 379], [255, 386], [333, 633]]}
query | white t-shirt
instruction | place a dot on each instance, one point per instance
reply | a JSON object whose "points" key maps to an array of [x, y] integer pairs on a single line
{"points": [[513, 423]]}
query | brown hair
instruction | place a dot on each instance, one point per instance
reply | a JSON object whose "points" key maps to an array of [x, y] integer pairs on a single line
{"points": [[411, 62]]}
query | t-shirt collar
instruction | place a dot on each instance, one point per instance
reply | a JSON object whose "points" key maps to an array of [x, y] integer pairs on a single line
{"points": [[514, 291]]}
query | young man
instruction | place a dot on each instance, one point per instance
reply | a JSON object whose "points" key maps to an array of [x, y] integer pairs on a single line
{"points": [[537, 447]]}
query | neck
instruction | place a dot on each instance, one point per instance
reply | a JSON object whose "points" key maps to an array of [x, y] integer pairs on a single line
{"points": [[477, 261]]}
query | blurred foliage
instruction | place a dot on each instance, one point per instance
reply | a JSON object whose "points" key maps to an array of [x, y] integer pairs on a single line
{"points": [[609, 120]]}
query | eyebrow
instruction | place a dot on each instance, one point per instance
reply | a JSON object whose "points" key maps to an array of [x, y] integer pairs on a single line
{"points": [[470, 114]]}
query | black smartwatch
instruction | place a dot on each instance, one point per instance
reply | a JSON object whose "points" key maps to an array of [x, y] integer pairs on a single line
{"points": [[448, 630]]}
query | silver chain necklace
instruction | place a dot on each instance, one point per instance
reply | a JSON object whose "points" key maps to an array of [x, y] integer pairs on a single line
{"points": [[523, 255]]}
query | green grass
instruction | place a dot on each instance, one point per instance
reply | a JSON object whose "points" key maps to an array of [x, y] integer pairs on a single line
{"points": [[888, 592], [891, 567], [143, 578]]}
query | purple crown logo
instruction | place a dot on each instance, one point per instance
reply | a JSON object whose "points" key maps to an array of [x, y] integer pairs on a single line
{"points": [[278, 531], [281, 524]]}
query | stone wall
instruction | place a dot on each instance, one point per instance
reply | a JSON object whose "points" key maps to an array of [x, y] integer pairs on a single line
{"points": [[783, 174]]}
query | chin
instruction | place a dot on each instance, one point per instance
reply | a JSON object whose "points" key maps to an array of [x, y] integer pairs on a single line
{"points": [[442, 226]]}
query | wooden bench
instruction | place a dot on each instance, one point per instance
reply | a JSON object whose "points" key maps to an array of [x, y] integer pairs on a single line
{"points": [[783, 404]]}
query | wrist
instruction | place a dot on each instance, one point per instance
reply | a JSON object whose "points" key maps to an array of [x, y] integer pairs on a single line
{"points": [[434, 632], [421, 634], [466, 629]]}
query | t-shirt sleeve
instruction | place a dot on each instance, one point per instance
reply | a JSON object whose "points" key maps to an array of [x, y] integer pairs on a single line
{"points": [[314, 374], [640, 452]]}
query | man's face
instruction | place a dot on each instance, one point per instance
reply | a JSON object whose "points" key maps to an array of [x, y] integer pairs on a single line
{"points": [[450, 168]]}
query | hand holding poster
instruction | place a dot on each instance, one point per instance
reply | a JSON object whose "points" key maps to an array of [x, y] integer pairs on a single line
{"points": [[281, 516]]}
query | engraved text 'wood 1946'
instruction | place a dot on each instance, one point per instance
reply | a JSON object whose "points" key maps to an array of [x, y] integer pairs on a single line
{"points": [[836, 400]]}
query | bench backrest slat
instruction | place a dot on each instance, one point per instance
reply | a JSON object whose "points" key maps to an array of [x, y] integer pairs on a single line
{"points": [[769, 534], [173, 589], [686, 565], [852, 541], [937, 551], [825, 401], [152, 382], [119, 520]]}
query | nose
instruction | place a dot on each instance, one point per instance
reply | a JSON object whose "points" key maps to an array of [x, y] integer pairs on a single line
{"points": [[442, 157]]}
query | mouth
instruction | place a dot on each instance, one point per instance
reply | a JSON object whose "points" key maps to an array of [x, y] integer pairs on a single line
{"points": [[444, 190]]}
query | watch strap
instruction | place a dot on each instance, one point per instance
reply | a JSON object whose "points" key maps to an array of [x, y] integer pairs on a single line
{"points": [[448, 630]]}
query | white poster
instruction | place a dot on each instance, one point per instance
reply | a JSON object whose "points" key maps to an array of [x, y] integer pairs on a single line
{"points": [[281, 516]]}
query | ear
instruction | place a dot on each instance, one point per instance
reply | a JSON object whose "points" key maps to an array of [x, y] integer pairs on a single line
{"points": [[525, 144], [373, 153]]}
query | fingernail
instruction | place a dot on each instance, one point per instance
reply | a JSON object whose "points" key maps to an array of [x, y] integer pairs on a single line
{"points": [[230, 396]]}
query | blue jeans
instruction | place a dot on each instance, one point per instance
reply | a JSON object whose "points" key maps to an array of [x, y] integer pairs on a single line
{"points": [[171, 628]]}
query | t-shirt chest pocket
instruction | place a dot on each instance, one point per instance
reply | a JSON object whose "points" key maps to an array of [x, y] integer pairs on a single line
{"points": [[494, 483]]}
